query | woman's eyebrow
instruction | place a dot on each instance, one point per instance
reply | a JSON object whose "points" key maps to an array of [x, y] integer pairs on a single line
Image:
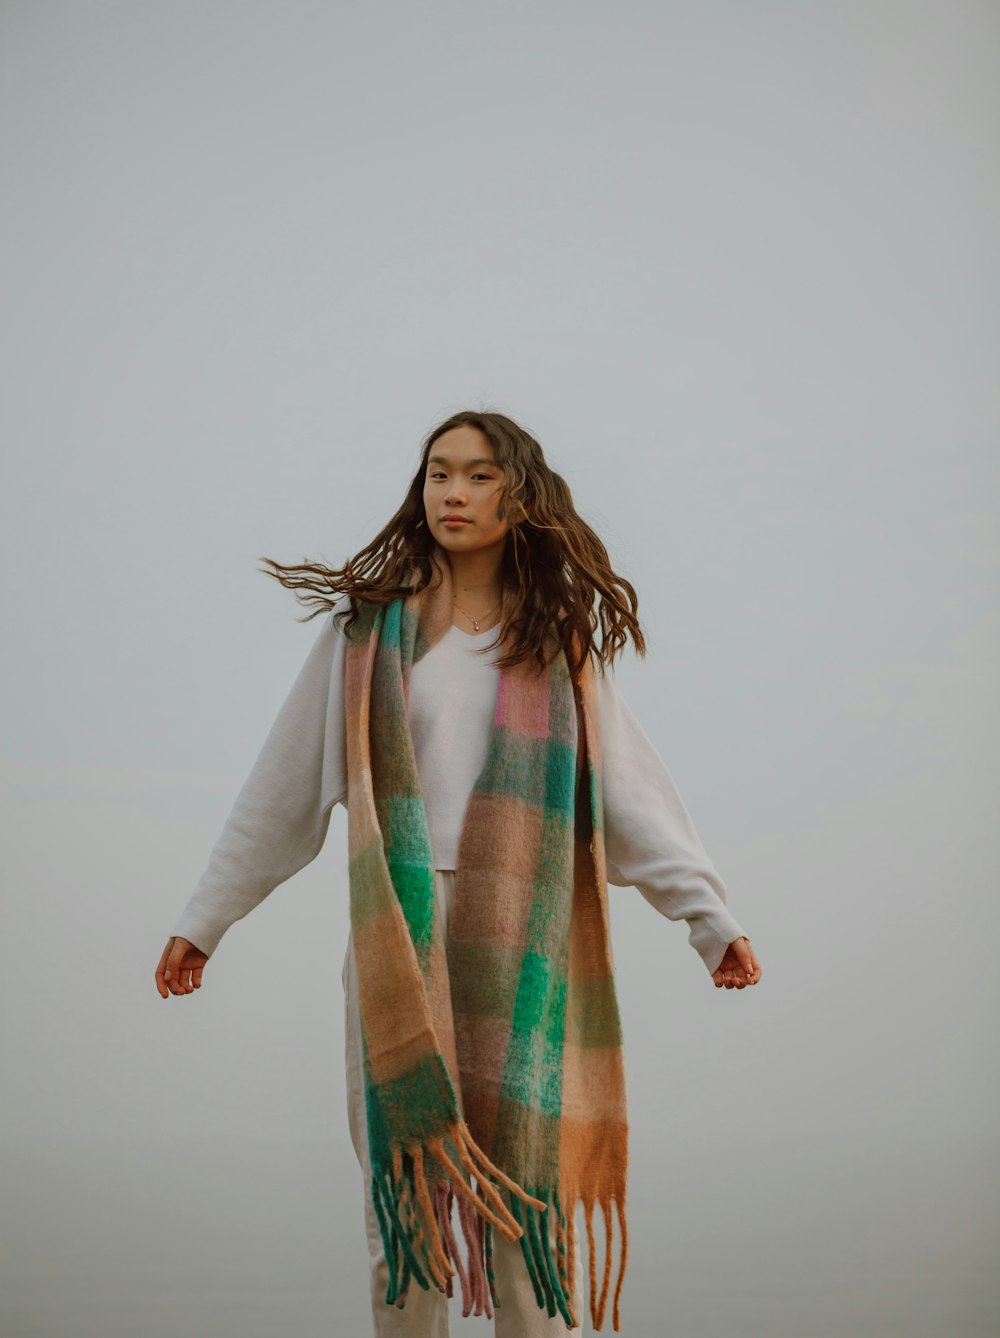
{"points": [[442, 460]]}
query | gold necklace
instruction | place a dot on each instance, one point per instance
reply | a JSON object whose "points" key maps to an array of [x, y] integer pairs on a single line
{"points": [[476, 621]]}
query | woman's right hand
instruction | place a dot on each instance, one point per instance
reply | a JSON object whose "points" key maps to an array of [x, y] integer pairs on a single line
{"points": [[180, 968]]}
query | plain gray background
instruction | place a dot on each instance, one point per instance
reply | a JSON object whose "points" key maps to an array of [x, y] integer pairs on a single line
{"points": [[735, 265]]}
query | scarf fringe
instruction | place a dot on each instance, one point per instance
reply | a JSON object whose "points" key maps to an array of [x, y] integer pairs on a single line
{"points": [[420, 1243], [567, 1226], [398, 1197]]}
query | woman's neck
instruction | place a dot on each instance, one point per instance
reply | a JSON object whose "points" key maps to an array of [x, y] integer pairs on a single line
{"points": [[476, 582]]}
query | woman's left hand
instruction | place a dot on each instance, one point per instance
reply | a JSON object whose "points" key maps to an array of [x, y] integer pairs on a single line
{"points": [[739, 967]]}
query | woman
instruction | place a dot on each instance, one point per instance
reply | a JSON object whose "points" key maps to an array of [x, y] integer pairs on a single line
{"points": [[495, 781]]}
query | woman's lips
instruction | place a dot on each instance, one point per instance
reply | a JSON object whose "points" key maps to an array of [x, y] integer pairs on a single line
{"points": [[455, 521]]}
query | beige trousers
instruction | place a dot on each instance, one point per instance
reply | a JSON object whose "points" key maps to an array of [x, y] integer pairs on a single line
{"points": [[426, 1313]]}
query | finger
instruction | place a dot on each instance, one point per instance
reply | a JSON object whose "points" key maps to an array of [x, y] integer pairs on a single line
{"points": [[744, 951], [197, 960], [173, 972], [161, 968]]}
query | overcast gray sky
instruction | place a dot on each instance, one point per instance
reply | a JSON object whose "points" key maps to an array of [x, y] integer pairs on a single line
{"points": [[736, 266]]}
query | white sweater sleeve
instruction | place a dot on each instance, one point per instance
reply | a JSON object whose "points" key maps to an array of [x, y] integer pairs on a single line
{"points": [[280, 818], [649, 837]]}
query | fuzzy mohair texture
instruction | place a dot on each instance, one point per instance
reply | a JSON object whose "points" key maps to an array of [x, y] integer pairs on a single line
{"points": [[492, 1050]]}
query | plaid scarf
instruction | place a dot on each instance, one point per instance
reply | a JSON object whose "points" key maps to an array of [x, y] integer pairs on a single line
{"points": [[492, 1050]]}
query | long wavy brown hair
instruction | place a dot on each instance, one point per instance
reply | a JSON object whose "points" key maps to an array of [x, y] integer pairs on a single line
{"points": [[553, 568]]}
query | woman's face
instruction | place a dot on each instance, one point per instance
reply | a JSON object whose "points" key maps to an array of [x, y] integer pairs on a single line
{"points": [[462, 480]]}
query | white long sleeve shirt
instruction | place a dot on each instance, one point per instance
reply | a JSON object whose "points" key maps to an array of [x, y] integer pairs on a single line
{"points": [[280, 817]]}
